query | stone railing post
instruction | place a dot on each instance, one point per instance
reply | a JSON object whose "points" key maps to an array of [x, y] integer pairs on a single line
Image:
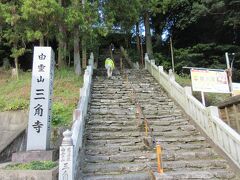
{"points": [[136, 65], [188, 91], [152, 63], [171, 75], [160, 70], [213, 110], [86, 77], [146, 58], [92, 56], [66, 164], [91, 60]]}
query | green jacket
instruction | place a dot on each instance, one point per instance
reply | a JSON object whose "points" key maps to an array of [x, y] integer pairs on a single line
{"points": [[110, 62]]}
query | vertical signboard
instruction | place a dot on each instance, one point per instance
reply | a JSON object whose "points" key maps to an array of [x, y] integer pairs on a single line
{"points": [[205, 80], [39, 124]]}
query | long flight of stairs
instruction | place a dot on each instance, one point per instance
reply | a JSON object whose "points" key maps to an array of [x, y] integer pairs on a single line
{"points": [[113, 141]]}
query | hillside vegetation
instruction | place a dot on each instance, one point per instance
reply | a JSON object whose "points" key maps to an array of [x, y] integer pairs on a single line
{"points": [[15, 94]]}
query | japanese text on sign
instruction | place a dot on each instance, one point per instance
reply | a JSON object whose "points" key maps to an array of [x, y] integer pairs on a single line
{"points": [[209, 81]]}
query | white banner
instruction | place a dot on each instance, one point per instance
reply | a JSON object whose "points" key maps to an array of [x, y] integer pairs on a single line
{"points": [[205, 80]]}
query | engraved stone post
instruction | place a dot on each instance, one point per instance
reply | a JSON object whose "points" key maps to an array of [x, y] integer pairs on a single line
{"points": [[66, 157], [39, 125]]}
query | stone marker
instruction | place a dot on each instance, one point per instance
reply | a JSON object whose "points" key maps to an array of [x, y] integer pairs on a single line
{"points": [[39, 124]]}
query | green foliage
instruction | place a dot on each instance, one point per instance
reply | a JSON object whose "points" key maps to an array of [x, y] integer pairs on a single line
{"points": [[161, 60], [134, 55], [6, 64], [67, 74], [10, 98], [17, 52], [84, 15], [183, 79], [16, 104], [61, 114], [13, 34], [125, 12], [34, 165], [46, 12], [15, 94], [66, 96], [203, 55]]}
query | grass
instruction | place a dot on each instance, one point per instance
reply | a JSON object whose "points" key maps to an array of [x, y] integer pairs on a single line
{"points": [[15, 94], [34, 165]]}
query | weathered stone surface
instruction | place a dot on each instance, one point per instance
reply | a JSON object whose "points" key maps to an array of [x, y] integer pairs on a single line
{"points": [[108, 168], [28, 156], [12, 133], [133, 176], [113, 144]]}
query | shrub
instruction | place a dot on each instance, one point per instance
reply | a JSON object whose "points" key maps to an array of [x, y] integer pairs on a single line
{"points": [[34, 165], [61, 114]]}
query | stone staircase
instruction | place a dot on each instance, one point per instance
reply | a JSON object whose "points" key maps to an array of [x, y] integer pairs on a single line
{"points": [[113, 141]]}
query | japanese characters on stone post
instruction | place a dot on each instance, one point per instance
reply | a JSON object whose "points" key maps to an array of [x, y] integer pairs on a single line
{"points": [[39, 124], [66, 163]]}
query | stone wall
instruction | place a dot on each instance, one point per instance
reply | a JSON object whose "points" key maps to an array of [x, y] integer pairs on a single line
{"points": [[12, 133], [28, 174]]}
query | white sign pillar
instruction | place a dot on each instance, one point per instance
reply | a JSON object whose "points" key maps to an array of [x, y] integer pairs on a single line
{"points": [[39, 124]]}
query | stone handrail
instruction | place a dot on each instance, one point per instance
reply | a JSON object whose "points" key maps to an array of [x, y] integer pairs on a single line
{"points": [[72, 141], [206, 117]]}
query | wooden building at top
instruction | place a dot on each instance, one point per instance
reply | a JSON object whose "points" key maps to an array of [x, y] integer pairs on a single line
{"points": [[229, 112]]}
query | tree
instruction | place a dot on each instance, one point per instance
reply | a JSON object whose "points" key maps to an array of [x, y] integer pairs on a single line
{"points": [[42, 17], [90, 17], [14, 32], [73, 20], [233, 18], [125, 14], [61, 37], [149, 9]]}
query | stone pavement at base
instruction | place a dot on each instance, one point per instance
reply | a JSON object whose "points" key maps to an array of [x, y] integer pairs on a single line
{"points": [[113, 142]]}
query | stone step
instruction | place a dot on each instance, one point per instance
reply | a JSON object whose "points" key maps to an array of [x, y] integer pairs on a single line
{"points": [[113, 150], [178, 146], [115, 122], [114, 168], [110, 118], [196, 174], [181, 139], [128, 176], [145, 156], [118, 135], [111, 111], [109, 100], [117, 142], [192, 164], [112, 128], [168, 166], [121, 157], [174, 133], [113, 138]]}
